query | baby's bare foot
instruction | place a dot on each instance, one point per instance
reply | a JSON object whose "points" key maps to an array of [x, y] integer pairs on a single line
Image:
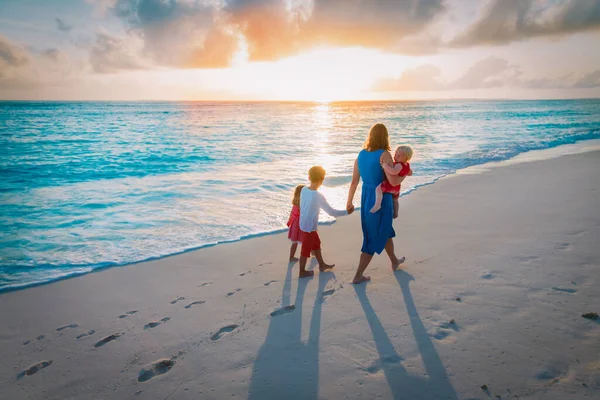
{"points": [[306, 274], [397, 263], [362, 279], [375, 209], [325, 267]]}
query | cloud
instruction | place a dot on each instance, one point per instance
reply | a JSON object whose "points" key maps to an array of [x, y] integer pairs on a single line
{"points": [[425, 77], [209, 33], [506, 21], [29, 69], [12, 55], [63, 26], [113, 53], [491, 72]]}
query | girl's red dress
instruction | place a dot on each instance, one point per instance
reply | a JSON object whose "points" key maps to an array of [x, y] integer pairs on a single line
{"points": [[294, 233]]}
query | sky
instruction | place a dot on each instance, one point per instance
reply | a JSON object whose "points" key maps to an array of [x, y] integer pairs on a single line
{"points": [[315, 50]]}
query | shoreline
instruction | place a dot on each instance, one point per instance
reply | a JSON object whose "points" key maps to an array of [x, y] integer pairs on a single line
{"points": [[581, 146], [491, 294]]}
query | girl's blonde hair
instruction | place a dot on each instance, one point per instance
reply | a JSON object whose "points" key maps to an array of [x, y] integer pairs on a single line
{"points": [[296, 198], [406, 149], [378, 138]]}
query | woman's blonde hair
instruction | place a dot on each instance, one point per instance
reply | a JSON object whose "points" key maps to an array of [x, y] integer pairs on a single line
{"points": [[378, 138], [296, 198]]}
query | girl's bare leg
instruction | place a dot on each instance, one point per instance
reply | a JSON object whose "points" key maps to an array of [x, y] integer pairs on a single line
{"points": [[322, 265], [365, 259], [389, 249], [293, 248], [378, 199]]}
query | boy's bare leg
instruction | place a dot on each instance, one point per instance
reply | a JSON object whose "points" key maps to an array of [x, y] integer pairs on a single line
{"points": [[293, 248], [396, 206], [322, 265], [378, 199], [303, 272]]}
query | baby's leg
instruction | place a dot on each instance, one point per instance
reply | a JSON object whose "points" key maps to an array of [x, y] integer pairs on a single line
{"points": [[396, 206], [378, 198]]}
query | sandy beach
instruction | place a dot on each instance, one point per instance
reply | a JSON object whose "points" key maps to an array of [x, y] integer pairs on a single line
{"points": [[500, 266]]}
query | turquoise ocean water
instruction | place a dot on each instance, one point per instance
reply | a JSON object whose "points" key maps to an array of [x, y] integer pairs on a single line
{"points": [[89, 185]]}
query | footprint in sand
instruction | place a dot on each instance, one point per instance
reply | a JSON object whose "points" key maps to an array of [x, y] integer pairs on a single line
{"points": [[488, 275], [553, 372], [328, 292], [443, 330], [268, 283], [528, 259], [88, 333], [563, 246], [36, 339], [244, 273], [128, 313], [232, 293], [194, 304], [62, 328], [107, 339], [564, 290], [223, 331], [177, 299], [151, 325], [205, 284], [155, 368], [35, 368], [283, 310]]}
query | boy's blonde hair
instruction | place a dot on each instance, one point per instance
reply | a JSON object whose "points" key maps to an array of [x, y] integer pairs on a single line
{"points": [[406, 149], [316, 174], [296, 198]]}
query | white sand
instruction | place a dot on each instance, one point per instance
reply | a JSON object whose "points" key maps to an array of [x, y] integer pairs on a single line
{"points": [[518, 245]]}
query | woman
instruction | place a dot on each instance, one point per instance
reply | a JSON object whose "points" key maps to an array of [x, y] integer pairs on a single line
{"points": [[377, 227]]}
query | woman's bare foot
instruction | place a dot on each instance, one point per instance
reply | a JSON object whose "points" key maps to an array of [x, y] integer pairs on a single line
{"points": [[397, 263], [325, 267], [306, 274], [362, 279], [293, 259]]}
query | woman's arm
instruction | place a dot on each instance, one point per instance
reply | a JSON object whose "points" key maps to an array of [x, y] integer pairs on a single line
{"points": [[353, 186], [386, 158]]}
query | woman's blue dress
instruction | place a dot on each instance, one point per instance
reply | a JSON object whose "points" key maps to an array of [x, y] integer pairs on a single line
{"points": [[377, 228]]}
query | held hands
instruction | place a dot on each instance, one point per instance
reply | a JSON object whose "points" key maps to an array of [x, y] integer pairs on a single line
{"points": [[350, 208]]}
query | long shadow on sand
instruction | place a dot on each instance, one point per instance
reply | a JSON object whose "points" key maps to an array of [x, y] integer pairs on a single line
{"points": [[436, 384], [285, 367]]}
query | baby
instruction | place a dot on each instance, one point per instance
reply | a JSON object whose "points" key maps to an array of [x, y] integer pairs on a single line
{"points": [[401, 168]]}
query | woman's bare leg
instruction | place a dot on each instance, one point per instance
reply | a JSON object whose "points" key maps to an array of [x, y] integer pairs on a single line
{"points": [[396, 207], [293, 248], [365, 259], [389, 249]]}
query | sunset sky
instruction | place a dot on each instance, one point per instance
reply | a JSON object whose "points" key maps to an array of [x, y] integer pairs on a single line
{"points": [[318, 50]]}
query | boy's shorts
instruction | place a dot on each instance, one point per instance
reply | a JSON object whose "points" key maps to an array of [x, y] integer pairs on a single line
{"points": [[310, 242]]}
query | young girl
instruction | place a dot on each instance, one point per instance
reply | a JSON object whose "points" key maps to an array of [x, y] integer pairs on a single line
{"points": [[294, 233], [402, 168]]}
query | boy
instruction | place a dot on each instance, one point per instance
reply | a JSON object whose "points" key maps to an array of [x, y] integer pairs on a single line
{"points": [[311, 203], [402, 168]]}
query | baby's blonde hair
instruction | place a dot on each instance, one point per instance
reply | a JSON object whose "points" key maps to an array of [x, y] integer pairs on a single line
{"points": [[406, 149]]}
